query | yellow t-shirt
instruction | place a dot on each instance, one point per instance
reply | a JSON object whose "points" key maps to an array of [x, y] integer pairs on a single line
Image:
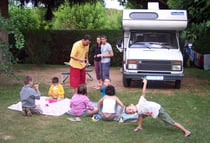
{"points": [[57, 91], [78, 51]]}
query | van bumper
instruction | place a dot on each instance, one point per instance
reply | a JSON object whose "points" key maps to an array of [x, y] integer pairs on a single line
{"points": [[156, 76]]}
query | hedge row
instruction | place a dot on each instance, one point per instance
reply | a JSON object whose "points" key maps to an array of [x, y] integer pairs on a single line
{"points": [[54, 47]]}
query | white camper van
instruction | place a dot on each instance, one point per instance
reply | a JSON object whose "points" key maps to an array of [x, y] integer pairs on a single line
{"points": [[150, 44]]}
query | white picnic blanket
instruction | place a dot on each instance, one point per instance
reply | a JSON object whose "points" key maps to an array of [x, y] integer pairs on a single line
{"points": [[53, 109]]}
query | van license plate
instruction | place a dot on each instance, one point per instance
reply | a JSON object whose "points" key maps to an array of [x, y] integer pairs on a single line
{"points": [[154, 77]]}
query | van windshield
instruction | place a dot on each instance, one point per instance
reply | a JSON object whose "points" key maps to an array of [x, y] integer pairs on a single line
{"points": [[157, 40]]}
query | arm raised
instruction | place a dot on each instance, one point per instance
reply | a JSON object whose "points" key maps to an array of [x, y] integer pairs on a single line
{"points": [[144, 87]]}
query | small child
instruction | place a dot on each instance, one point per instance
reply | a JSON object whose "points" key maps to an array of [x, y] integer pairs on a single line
{"points": [[28, 96], [146, 108], [110, 102], [103, 87], [56, 91], [80, 104]]}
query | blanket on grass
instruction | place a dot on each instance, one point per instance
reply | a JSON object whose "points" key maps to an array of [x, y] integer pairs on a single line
{"points": [[62, 107], [49, 108]]}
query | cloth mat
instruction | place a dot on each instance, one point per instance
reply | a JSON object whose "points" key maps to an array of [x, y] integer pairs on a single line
{"points": [[53, 109]]}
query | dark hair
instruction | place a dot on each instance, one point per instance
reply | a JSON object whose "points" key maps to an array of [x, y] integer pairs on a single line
{"points": [[27, 79], [110, 90], [55, 80], [100, 41], [104, 36], [87, 37], [82, 89]]}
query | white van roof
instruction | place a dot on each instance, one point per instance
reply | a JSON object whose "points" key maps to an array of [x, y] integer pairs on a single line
{"points": [[154, 19]]}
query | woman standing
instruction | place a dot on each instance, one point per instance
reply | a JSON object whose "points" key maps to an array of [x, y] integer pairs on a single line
{"points": [[96, 52]]}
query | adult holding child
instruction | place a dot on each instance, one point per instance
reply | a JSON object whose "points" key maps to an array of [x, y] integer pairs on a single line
{"points": [[78, 61]]}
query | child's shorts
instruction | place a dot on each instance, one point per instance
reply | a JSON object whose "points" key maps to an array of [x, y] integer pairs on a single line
{"points": [[163, 115]]}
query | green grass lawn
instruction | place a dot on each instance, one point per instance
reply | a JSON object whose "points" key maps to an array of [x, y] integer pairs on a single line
{"points": [[191, 108]]}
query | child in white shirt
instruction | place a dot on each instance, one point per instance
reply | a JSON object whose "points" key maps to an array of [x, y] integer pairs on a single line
{"points": [[147, 108]]}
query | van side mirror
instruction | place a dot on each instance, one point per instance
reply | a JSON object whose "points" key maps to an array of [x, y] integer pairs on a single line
{"points": [[119, 45]]}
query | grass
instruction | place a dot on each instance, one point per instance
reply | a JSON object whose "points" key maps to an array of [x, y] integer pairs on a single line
{"points": [[191, 108]]}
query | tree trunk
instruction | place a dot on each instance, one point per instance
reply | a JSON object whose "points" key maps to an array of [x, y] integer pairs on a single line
{"points": [[4, 13]]}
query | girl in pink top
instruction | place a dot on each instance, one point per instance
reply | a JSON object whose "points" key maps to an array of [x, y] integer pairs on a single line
{"points": [[80, 104]]}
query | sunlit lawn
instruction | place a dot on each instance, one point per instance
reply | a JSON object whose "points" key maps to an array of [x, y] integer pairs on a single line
{"points": [[190, 108]]}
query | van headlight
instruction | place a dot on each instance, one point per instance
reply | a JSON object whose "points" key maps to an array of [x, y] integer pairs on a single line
{"points": [[132, 64], [177, 66]]}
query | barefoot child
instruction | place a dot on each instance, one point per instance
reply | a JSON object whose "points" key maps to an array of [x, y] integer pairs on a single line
{"points": [[103, 87], [147, 108]]}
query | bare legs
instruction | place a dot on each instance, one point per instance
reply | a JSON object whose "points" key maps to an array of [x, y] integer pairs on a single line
{"points": [[187, 132]]}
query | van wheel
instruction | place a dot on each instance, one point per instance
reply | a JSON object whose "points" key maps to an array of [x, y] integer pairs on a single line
{"points": [[178, 84], [126, 82]]}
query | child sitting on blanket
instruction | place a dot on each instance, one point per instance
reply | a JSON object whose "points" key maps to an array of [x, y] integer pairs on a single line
{"points": [[28, 94], [146, 108], [109, 102], [80, 104], [56, 91]]}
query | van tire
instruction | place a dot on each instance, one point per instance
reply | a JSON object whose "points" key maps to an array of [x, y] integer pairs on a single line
{"points": [[126, 82], [178, 84]]}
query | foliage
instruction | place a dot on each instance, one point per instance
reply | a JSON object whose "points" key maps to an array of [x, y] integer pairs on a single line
{"points": [[84, 16], [24, 18], [142, 4], [37, 46], [114, 19], [7, 59], [54, 46], [198, 25]]}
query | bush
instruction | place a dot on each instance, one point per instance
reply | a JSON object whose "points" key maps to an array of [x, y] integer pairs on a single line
{"points": [[54, 47]]}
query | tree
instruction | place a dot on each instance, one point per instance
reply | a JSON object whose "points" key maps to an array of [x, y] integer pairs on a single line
{"points": [[199, 17], [54, 4], [4, 13], [85, 16], [24, 18], [7, 58], [142, 4]]}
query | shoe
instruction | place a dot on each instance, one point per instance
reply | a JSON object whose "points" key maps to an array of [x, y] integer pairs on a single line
{"points": [[24, 111], [95, 118], [28, 112]]}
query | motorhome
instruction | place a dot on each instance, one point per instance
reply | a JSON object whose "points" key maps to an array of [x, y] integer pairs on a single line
{"points": [[150, 44]]}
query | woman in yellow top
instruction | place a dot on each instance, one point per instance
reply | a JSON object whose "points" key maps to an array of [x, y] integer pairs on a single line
{"points": [[56, 90]]}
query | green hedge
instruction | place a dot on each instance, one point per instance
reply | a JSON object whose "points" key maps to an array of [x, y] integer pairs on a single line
{"points": [[54, 47]]}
